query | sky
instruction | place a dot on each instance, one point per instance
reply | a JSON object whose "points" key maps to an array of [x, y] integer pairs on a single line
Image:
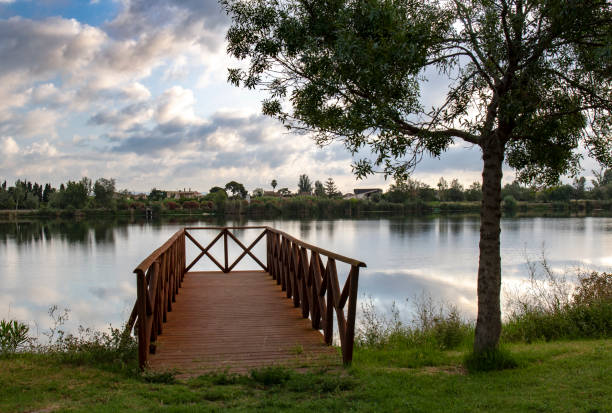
{"points": [[136, 90]]}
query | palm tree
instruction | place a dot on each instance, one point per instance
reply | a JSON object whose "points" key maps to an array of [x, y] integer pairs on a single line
{"points": [[273, 183]]}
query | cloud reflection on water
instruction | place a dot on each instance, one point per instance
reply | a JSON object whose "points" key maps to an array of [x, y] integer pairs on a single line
{"points": [[87, 266]]}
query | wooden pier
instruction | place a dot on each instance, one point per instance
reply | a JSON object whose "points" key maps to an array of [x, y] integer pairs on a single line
{"points": [[282, 313]]}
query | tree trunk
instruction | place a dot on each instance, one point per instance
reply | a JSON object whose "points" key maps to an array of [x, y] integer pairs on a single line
{"points": [[488, 323]]}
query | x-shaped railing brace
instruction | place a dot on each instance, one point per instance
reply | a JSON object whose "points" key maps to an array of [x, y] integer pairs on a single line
{"points": [[204, 251]]}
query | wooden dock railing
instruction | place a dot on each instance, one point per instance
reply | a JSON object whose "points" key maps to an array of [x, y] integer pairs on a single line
{"points": [[308, 274]]}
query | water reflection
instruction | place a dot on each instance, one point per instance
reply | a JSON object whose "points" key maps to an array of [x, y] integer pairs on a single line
{"points": [[87, 265]]}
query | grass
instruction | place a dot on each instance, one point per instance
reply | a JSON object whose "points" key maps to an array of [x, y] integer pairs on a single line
{"points": [[426, 365], [565, 376]]}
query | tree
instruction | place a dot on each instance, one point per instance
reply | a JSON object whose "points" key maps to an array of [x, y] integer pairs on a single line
{"points": [[474, 192], [273, 184], [304, 185], [216, 189], [236, 189], [579, 187], [258, 192], [75, 195], [31, 201], [331, 190], [87, 184], [602, 178], [47, 192], [216, 195], [284, 192], [6, 200], [157, 195], [319, 190], [455, 192], [403, 189], [104, 190], [18, 194], [442, 189], [530, 83]]}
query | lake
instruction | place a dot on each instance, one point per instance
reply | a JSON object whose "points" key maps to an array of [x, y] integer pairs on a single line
{"points": [[86, 266]]}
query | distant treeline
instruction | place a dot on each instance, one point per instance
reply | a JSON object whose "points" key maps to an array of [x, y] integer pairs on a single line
{"points": [[403, 197]]}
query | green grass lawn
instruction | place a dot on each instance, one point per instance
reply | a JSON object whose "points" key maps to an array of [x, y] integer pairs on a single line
{"points": [[563, 376]]}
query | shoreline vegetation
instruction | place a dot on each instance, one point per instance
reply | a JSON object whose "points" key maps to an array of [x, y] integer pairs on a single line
{"points": [[406, 197], [311, 207], [555, 356]]}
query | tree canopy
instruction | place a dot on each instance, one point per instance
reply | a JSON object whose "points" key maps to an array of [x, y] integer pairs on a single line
{"points": [[237, 189], [535, 73], [304, 185], [104, 190], [529, 83]]}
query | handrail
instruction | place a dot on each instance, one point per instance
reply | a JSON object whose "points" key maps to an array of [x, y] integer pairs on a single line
{"points": [[158, 278], [314, 286], [327, 253], [146, 263], [296, 266]]}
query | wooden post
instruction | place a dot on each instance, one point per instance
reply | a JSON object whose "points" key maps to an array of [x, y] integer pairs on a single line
{"points": [[225, 250], [329, 316], [143, 345], [347, 354]]}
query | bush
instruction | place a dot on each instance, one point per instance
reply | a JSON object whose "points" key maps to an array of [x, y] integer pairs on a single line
{"points": [[553, 308], [113, 350], [191, 205], [171, 205], [510, 205], [13, 336], [593, 287], [435, 326]]}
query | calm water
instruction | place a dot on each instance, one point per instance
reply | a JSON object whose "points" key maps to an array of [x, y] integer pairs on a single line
{"points": [[87, 266]]}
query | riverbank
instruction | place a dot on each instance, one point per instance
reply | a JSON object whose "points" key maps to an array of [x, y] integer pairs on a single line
{"points": [[311, 207], [565, 376]]}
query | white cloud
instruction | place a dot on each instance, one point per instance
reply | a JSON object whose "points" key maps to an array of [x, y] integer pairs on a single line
{"points": [[177, 70], [43, 148], [176, 105], [9, 146], [136, 91], [39, 122]]}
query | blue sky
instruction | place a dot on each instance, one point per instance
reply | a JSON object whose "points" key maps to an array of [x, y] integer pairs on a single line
{"points": [[90, 12], [136, 90]]}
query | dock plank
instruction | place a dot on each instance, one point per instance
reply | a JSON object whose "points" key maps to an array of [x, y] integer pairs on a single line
{"points": [[235, 322]]}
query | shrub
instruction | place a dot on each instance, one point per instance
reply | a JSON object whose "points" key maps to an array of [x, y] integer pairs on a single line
{"points": [[553, 308], [207, 206], [171, 205], [593, 287], [435, 326], [191, 205], [510, 205], [13, 336]]}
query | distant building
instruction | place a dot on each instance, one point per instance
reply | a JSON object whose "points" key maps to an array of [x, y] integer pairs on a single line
{"points": [[366, 193], [138, 197], [182, 194]]}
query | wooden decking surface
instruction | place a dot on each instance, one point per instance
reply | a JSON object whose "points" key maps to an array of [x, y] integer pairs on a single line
{"points": [[236, 322]]}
